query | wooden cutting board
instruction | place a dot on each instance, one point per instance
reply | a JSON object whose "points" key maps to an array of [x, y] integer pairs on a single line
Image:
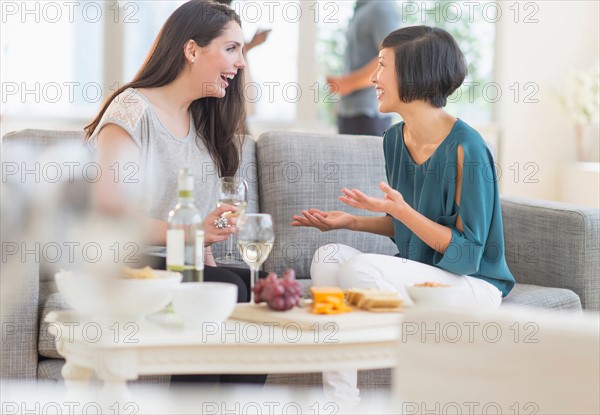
{"points": [[260, 313]]}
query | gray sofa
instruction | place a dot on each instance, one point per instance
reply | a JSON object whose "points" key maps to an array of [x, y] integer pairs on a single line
{"points": [[552, 249]]}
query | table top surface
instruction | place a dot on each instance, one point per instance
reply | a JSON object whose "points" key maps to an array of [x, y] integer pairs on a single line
{"points": [[262, 327]]}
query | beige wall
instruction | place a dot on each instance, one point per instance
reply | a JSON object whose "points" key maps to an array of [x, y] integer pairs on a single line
{"points": [[565, 38]]}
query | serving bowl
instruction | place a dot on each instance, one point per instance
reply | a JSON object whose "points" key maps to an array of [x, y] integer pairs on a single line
{"points": [[117, 297], [436, 296], [204, 302]]}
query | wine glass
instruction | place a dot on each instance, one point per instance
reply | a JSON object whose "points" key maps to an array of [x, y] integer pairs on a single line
{"points": [[232, 191], [255, 241]]}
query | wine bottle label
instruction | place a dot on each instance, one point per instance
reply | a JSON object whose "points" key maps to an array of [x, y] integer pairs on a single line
{"points": [[175, 247], [185, 180], [199, 250]]}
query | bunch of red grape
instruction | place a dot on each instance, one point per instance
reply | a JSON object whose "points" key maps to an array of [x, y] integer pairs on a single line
{"points": [[280, 294]]}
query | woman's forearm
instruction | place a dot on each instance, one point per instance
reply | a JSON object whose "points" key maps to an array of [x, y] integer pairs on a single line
{"points": [[156, 231], [379, 225], [436, 236]]}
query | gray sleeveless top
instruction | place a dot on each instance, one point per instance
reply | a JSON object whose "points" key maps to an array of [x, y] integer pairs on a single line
{"points": [[162, 155]]}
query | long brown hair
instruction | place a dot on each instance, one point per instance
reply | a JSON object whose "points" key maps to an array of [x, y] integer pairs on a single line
{"points": [[217, 120]]}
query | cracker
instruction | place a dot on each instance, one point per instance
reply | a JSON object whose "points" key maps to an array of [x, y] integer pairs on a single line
{"points": [[359, 297], [379, 302]]}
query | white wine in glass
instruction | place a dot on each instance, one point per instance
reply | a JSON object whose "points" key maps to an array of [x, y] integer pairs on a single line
{"points": [[239, 204], [232, 191], [255, 242], [255, 252]]}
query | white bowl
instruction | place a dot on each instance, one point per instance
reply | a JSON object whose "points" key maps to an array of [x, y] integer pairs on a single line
{"points": [[116, 297], [204, 302], [436, 296]]}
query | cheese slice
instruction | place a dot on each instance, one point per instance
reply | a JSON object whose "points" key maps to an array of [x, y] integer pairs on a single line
{"points": [[320, 294], [328, 300]]}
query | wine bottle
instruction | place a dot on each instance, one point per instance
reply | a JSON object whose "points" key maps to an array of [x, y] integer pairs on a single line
{"points": [[185, 234]]}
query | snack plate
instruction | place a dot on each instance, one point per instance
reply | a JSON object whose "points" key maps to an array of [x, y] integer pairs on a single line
{"points": [[306, 319]]}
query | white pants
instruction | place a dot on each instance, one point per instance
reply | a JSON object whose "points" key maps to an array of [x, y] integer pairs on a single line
{"points": [[346, 267]]}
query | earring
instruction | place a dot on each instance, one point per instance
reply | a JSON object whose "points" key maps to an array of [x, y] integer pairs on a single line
{"points": [[193, 60]]}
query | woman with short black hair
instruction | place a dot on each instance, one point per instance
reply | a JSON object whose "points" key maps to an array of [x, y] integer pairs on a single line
{"points": [[441, 205]]}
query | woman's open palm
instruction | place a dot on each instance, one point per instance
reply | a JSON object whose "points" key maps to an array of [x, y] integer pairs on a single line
{"points": [[324, 221], [359, 200]]}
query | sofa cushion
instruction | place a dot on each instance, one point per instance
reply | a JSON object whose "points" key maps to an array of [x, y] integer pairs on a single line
{"points": [[49, 370], [543, 297], [46, 345], [300, 171], [41, 138]]}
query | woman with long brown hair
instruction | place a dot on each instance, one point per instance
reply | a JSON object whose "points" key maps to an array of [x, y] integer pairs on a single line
{"points": [[184, 108]]}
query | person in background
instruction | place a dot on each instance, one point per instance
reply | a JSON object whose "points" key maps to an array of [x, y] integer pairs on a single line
{"points": [[441, 203], [357, 108], [183, 108]]}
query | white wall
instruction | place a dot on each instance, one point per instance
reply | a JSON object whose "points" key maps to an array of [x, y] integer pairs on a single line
{"points": [[566, 37]]}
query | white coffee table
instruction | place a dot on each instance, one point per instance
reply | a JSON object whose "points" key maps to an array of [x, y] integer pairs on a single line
{"points": [[119, 351]]}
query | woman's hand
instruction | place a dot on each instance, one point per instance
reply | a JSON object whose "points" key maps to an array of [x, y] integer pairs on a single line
{"points": [[213, 234], [324, 221], [393, 202]]}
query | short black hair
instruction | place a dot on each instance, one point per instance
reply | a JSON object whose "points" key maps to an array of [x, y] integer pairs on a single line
{"points": [[429, 63]]}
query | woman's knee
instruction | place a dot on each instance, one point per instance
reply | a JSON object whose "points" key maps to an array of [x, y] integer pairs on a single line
{"points": [[326, 254], [358, 272], [324, 266]]}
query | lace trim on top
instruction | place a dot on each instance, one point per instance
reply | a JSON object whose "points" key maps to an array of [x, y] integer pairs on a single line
{"points": [[127, 108]]}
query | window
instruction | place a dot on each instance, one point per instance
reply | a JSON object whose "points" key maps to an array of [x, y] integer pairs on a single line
{"points": [[272, 88], [331, 43], [142, 21], [52, 58], [61, 59]]}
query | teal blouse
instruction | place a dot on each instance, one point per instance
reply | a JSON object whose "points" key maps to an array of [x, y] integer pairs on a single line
{"points": [[430, 189]]}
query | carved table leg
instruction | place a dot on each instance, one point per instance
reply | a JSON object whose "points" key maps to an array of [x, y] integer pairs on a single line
{"points": [[115, 369], [77, 378], [116, 392]]}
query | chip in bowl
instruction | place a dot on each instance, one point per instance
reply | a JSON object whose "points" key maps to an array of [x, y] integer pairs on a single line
{"points": [[139, 273]]}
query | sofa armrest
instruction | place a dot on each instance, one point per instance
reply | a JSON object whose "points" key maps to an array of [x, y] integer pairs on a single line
{"points": [[20, 281], [19, 288], [554, 245]]}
